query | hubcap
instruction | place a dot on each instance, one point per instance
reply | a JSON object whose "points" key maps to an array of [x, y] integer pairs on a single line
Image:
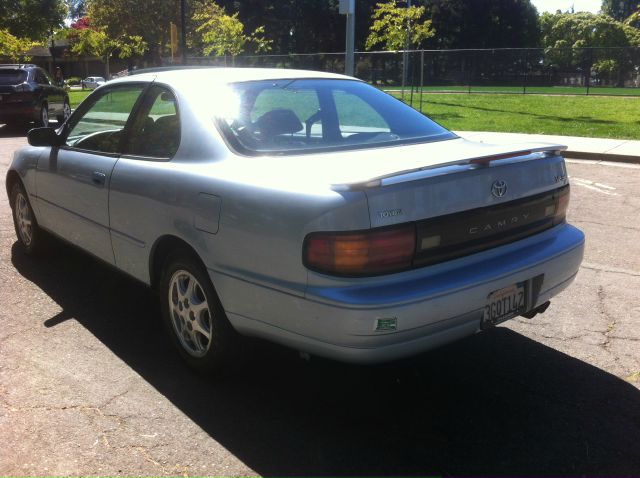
{"points": [[23, 219], [190, 314], [44, 116]]}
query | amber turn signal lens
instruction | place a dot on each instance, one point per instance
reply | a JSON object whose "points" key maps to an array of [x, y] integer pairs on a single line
{"points": [[376, 251]]}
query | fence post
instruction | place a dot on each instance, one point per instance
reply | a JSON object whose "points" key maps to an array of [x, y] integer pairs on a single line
{"points": [[469, 68], [588, 74], [421, 77], [526, 71]]}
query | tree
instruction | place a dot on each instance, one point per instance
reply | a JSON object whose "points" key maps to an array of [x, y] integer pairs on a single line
{"points": [[567, 38], [15, 48], [224, 34], [620, 9], [92, 42], [483, 24], [396, 27], [148, 19], [32, 19]]}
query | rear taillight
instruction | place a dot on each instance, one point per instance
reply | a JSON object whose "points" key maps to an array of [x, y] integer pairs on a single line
{"points": [[375, 251], [562, 203]]}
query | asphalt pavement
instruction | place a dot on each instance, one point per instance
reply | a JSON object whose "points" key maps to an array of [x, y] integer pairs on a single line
{"points": [[90, 386]]}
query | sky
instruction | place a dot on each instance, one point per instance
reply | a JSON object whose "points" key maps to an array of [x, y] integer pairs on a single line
{"points": [[564, 5]]}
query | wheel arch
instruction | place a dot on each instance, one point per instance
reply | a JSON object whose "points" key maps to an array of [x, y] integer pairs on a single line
{"points": [[12, 178], [162, 247]]}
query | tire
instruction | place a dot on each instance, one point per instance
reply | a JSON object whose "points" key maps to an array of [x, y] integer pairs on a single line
{"points": [[65, 114], [43, 116], [193, 315], [30, 236]]}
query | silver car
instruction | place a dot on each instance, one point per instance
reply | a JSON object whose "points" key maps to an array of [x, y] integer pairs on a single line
{"points": [[92, 82], [306, 208]]}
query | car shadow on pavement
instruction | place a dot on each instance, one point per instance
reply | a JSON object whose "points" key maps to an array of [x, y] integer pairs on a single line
{"points": [[497, 403], [7, 131]]}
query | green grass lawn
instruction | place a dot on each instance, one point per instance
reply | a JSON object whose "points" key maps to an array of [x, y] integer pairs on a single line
{"points": [[590, 116], [544, 90], [75, 97]]}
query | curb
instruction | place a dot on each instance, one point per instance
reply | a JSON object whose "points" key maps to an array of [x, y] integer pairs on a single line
{"points": [[590, 156]]}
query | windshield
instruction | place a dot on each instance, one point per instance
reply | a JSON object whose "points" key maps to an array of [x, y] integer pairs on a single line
{"points": [[12, 77], [289, 116]]}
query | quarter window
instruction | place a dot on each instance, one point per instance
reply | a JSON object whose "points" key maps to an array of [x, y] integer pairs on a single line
{"points": [[100, 128], [155, 131]]}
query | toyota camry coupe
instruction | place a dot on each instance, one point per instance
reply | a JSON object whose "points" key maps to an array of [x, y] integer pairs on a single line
{"points": [[306, 208]]}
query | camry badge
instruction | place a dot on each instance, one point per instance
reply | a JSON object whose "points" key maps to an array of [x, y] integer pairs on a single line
{"points": [[499, 188]]}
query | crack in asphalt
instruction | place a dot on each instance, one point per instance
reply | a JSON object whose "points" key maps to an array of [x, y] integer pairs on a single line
{"points": [[575, 221], [613, 270]]}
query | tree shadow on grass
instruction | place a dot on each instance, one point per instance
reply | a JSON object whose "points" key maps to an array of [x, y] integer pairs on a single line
{"points": [[495, 403], [522, 113]]}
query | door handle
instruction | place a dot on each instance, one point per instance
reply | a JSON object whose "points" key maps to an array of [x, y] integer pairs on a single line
{"points": [[98, 178]]}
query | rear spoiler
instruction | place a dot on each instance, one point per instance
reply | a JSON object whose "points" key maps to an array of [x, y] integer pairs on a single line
{"points": [[529, 154]]}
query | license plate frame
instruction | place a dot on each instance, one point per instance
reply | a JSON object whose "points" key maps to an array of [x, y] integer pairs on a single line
{"points": [[505, 303]]}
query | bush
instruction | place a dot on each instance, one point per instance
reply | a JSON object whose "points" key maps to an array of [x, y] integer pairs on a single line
{"points": [[74, 80]]}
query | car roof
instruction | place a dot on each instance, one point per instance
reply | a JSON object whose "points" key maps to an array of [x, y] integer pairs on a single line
{"points": [[18, 66], [224, 75]]}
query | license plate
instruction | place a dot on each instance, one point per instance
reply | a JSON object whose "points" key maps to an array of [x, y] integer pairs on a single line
{"points": [[504, 304]]}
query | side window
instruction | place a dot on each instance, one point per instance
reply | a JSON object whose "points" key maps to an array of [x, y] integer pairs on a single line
{"points": [[356, 116], [41, 78], [100, 127], [155, 130]]}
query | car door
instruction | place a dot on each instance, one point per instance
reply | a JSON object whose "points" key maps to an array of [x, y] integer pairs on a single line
{"points": [[141, 183], [72, 181]]}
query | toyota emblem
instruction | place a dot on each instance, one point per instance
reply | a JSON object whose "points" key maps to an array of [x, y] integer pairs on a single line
{"points": [[499, 188]]}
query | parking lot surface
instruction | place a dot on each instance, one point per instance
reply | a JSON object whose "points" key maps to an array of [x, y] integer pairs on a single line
{"points": [[89, 385]]}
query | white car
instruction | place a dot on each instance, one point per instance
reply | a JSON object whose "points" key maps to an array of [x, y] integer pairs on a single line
{"points": [[92, 82], [306, 208]]}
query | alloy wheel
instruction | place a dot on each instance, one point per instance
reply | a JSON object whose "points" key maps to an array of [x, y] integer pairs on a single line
{"points": [[190, 313], [24, 220]]}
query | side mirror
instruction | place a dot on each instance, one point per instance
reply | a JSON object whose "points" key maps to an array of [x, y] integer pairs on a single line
{"points": [[43, 137]]}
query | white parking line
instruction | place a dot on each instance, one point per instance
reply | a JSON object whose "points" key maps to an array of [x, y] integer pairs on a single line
{"points": [[599, 187]]}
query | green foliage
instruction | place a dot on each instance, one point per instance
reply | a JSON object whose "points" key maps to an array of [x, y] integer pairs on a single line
{"points": [[32, 19], [620, 9], [483, 24], [92, 42], [148, 19], [397, 27], [564, 32], [15, 48], [224, 34]]}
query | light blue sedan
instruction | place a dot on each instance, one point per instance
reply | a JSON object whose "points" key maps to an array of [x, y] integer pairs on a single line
{"points": [[306, 208]]}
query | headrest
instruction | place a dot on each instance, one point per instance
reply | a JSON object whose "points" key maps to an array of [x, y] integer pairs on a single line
{"points": [[278, 121]]}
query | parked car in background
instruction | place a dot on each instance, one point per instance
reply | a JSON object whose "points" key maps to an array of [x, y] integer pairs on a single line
{"points": [[306, 208], [28, 93], [92, 82]]}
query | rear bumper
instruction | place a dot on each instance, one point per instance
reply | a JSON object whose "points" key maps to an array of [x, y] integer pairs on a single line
{"points": [[18, 111], [433, 305]]}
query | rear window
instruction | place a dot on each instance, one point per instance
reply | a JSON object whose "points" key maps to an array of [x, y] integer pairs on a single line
{"points": [[12, 77], [307, 115]]}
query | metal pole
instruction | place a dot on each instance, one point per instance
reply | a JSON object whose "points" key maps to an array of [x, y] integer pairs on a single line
{"points": [[405, 55], [183, 32], [350, 46], [421, 77]]}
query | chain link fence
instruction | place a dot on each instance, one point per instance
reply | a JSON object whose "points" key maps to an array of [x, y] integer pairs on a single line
{"points": [[570, 71]]}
